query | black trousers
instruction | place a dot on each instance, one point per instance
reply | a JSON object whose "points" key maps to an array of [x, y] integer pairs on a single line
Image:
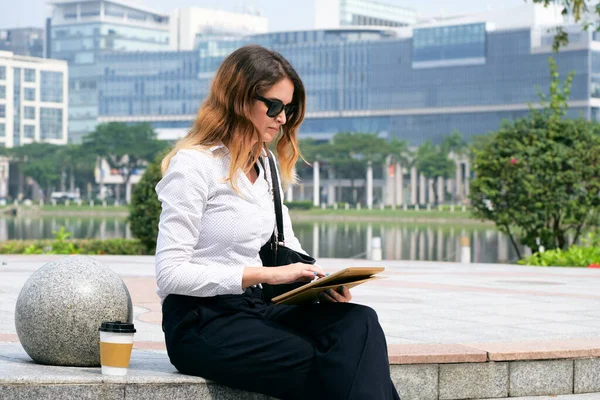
{"points": [[316, 351]]}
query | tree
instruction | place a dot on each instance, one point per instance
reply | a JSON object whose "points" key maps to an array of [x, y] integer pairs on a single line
{"points": [[310, 149], [454, 143], [434, 161], [349, 154], [576, 8], [399, 152], [39, 162], [124, 147], [538, 177], [81, 165], [48, 164], [144, 210]]}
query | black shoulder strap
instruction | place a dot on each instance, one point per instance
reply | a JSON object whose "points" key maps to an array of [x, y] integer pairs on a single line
{"points": [[276, 196]]}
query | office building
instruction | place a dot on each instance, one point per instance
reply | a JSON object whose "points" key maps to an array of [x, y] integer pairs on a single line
{"points": [[33, 100], [164, 88], [330, 14], [79, 31], [23, 41], [415, 83], [194, 23], [460, 73]]}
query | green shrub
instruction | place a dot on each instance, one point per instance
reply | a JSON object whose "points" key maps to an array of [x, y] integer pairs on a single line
{"points": [[299, 205], [78, 246], [128, 247], [60, 245], [144, 210], [538, 177], [576, 256], [33, 248], [12, 247]]}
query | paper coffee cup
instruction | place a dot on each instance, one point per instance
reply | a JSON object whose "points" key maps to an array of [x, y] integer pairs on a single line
{"points": [[116, 342]]}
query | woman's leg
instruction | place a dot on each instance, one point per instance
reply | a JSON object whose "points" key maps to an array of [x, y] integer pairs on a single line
{"points": [[351, 349], [230, 343]]}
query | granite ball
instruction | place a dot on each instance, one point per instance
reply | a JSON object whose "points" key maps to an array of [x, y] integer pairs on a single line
{"points": [[61, 307]]}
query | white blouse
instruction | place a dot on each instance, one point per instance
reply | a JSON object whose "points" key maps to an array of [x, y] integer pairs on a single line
{"points": [[208, 233]]}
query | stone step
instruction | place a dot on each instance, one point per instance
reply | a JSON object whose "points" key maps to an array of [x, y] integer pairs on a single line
{"points": [[589, 396], [453, 376]]}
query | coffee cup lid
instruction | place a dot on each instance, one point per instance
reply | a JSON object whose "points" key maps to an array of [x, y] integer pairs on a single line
{"points": [[117, 326]]}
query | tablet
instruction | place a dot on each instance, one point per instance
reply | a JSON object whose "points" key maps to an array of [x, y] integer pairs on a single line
{"points": [[349, 277]]}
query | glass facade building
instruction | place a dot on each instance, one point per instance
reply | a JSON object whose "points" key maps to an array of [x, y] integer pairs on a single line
{"points": [[375, 13], [424, 86], [33, 100], [80, 31], [330, 14], [23, 41], [165, 83]]}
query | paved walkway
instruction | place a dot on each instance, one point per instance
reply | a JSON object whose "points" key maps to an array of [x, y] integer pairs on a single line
{"points": [[419, 302], [432, 313]]}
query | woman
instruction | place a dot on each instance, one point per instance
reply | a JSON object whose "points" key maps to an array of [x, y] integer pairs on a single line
{"points": [[217, 212]]}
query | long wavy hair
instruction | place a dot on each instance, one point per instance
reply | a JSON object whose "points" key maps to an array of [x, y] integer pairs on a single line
{"points": [[225, 114]]}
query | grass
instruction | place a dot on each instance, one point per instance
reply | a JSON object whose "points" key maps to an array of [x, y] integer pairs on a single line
{"points": [[315, 214], [385, 213], [82, 208], [447, 226]]}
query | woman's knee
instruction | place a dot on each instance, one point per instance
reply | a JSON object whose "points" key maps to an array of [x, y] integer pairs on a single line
{"points": [[362, 313], [360, 320]]}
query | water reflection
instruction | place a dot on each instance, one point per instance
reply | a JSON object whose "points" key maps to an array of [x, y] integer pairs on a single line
{"points": [[403, 242], [321, 239], [24, 228]]}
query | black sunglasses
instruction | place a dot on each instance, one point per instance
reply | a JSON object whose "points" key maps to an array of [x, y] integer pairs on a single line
{"points": [[276, 107]]}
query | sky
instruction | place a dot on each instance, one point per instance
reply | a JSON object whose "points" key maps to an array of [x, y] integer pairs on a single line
{"points": [[282, 14]]}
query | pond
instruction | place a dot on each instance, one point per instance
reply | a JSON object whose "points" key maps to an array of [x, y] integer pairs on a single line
{"points": [[431, 242]]}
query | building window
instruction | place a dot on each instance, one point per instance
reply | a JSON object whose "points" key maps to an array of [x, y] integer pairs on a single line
{"points": [[70, 12], [2, 92], [449, 42], [29, 75], [28, 112], [29, 94], [51, 126], [2, 72], [136, 15], [2, 130], [113, 10], [51, 86], [29, 131], [2, 111], [89, 9]]}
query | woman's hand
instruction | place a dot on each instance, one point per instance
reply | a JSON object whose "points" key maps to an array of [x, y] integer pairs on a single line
{"points": [[343, 295], [298, 272]]}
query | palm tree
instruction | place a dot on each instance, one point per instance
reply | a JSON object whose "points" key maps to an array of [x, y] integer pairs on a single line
{"points": [[399, 152], [400, 155]]}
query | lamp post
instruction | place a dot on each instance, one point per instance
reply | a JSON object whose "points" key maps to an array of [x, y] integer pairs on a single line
{"points": [[123, 171], [316, 183], [101, 180], [125, 174]]}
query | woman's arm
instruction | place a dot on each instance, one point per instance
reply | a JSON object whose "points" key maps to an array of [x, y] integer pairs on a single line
{"points": [[183, 192], [278, 275]]}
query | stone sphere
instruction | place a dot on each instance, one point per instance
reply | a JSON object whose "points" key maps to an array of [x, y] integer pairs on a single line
{"points": [[61, 307]]}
